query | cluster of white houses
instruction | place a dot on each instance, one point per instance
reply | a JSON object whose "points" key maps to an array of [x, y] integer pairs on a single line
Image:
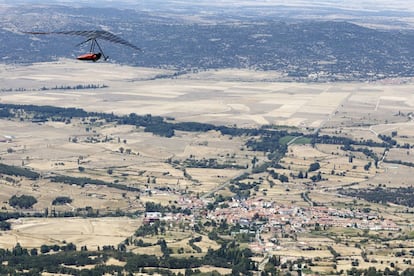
{"points": [[273, 217], [277, 217]]}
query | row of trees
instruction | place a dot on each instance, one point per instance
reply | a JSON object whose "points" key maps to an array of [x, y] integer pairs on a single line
{"points": [[66, 260], [64, 257], [75, 87], [18, 171], [154, 124], [210, 163], [345, 141], [157, 207], [82, 181], [402, 196]]}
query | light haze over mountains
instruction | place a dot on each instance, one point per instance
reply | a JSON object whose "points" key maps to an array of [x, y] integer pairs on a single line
{"points": [[367, 5], [398, 13], [347, 40]]}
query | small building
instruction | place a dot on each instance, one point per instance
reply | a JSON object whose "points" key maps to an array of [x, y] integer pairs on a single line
{"points": [[152, 217]]}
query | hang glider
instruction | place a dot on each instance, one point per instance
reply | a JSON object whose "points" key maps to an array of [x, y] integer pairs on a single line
{"points": [[92, 37]]}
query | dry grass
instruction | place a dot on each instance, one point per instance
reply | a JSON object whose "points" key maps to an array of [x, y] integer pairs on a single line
{"points": [[228, 97], [221, 97], [34, 232]]}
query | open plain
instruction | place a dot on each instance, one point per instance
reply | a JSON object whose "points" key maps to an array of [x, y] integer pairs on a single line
{"points": [[155, 165], [245, 98]]}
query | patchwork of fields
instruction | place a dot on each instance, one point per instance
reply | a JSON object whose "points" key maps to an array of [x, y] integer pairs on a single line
{"points": [[155, 165]]}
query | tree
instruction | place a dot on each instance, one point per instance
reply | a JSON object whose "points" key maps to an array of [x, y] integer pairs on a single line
{"points": [[164, 248], [254, 161], [269, 268], [317, 177], [367, 166], [314, 167], [122, 247], [33, 252], [275, 260], [61, 200], [5, 225], [210, 206], [283, 178], [44, 249], [23, 201], [17, 250]]}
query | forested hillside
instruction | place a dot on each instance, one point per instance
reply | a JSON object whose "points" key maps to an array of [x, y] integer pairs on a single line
{"points": [[318, 50]]}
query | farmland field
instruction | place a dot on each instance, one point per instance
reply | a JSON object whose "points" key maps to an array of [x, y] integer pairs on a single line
{"points": [[167, 171]]}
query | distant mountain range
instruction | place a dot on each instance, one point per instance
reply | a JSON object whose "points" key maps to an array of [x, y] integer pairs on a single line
{"points": [[303, 49]]}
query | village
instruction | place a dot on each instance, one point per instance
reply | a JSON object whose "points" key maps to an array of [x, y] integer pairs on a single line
{"points": [[111, 172], [257, 217]]}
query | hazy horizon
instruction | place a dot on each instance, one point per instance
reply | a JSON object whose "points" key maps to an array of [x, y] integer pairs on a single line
{"points": [[365, 5]]}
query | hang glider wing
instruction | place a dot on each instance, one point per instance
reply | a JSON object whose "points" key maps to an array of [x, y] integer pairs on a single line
{"points": [[93, 35]]}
